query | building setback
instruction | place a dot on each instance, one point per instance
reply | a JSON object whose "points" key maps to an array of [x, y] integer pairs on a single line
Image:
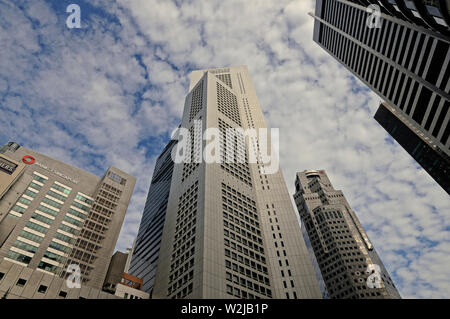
{"points": [[119, 282], [345, 255], [230, 230], [53, 215], [406, 64], [21, 282], [431, 14], [432, 159]]}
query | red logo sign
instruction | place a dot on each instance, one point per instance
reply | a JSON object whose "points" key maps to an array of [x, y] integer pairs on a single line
{"points": [[28, 159]]}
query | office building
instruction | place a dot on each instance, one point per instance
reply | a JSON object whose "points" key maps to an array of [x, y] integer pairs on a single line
{"points": [[21, 282], [429, 156], [348, 262], [145, 255], [54, 215], [119, 282], [129, 252], [230, 230], [431, 14], [405, 63]]}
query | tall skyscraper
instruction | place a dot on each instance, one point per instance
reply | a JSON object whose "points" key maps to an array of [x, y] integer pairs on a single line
{"points": [[432, 159], [145, 256], [53, 215], [230, 230], [431, 14], [349, 264], [406, 64]]}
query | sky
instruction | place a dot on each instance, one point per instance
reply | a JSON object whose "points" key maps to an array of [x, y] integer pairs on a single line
{"points": [[111, 92]]}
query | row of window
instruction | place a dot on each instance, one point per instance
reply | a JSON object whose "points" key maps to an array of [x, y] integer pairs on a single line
{"points": [[238, 167], [227, 104], [25, 200], [248, 284], [196, 100], [182, 260], [397, 87]]}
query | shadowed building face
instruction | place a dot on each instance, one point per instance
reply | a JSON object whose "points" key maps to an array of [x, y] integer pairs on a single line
{"points": [[223, 229], [406, 64]]}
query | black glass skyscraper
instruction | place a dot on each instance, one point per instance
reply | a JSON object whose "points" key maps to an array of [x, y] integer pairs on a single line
{"points": [[434, 162], [145, 257], [405, 60]]}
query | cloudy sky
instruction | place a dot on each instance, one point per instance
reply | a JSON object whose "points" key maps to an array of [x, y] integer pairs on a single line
{"points": [[111, 92]]}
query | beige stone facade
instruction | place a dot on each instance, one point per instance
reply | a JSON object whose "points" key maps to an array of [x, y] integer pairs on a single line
{"points": [[21, 282], [55, 215], [348, 261], [230, 230]]}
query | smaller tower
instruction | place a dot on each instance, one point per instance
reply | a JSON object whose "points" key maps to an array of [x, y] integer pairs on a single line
{"points": [[347, 259]]}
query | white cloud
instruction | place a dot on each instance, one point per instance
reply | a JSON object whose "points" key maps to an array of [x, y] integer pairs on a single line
{"points": [[77, 98]]}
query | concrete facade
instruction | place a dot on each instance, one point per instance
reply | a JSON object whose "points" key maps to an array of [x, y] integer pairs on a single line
{"points": [[116, 268], [344, 253], [230, 230], [21, 282], [55, 215], [126, 292], [10, 171]]}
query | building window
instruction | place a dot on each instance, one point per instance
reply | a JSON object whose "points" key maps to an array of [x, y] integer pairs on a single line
{"points": [[21, 282], [42, 289]]}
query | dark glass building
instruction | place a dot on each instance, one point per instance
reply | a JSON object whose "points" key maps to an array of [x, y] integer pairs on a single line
{"points": [[430, 14], [145, 256], [429, 156], [404, 61]]}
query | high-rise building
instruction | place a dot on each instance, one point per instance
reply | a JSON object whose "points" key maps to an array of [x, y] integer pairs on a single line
{"points": [[429, 156], [406, 64], [53, 215], [431, 14], [144, 260], [230, 229], [349, 264]]}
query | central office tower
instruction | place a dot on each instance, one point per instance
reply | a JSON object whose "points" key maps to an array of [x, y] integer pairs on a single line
{"points": [[230, 230]]}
